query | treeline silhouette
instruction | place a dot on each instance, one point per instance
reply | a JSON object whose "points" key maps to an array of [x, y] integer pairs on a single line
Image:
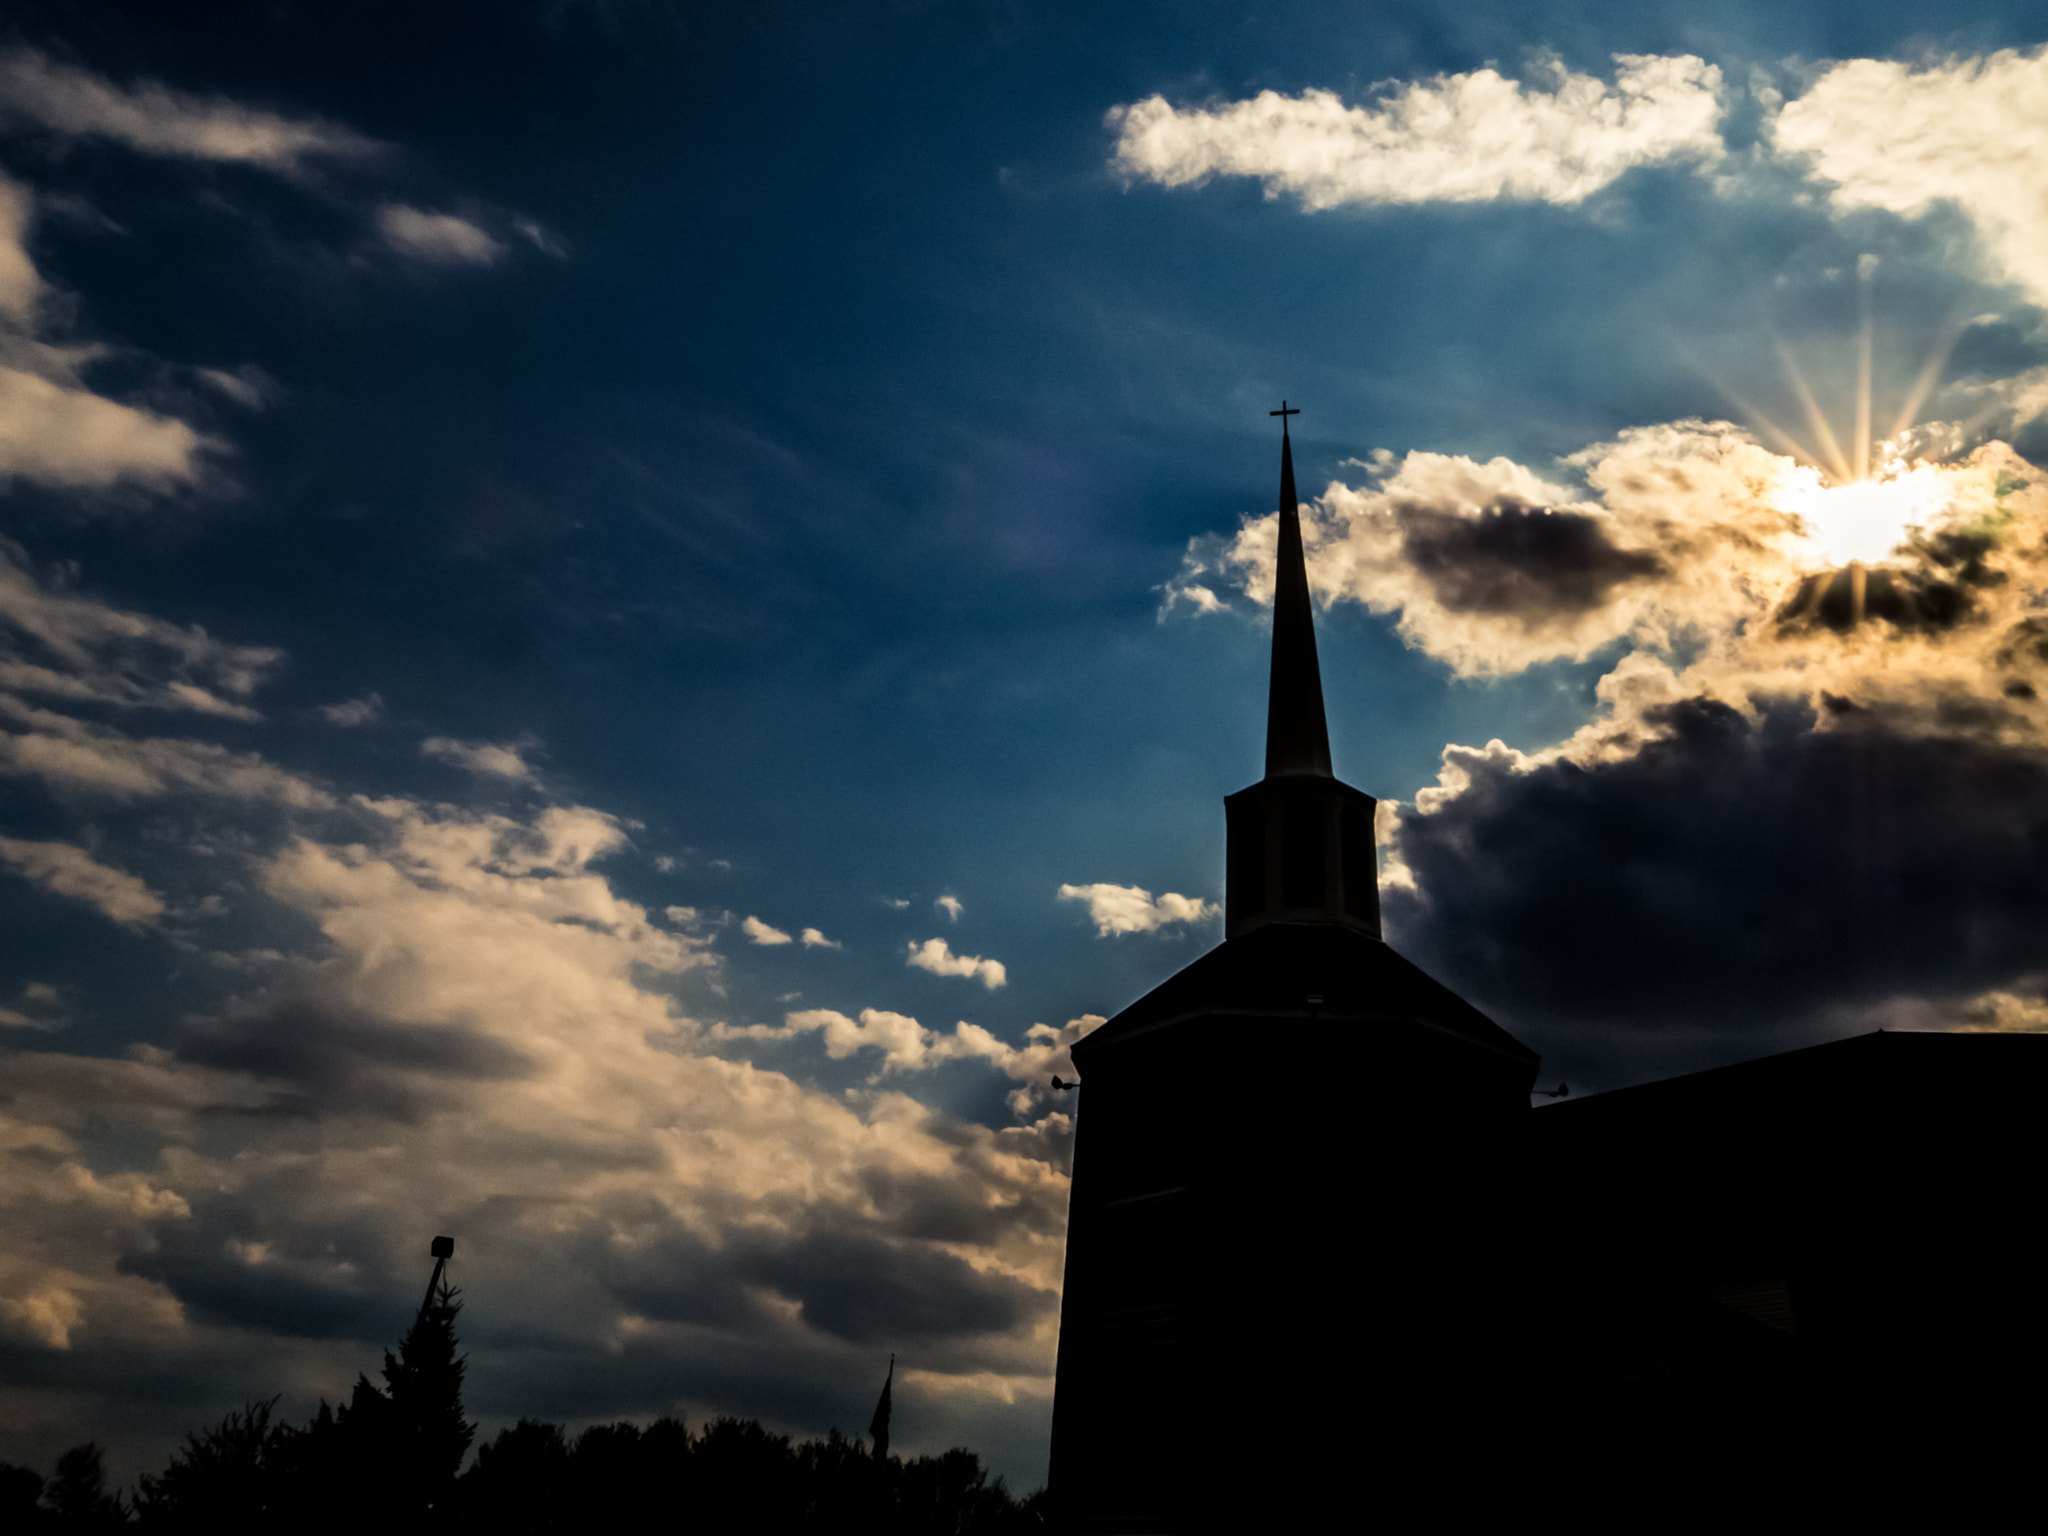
{"points": [[390, 1458]]}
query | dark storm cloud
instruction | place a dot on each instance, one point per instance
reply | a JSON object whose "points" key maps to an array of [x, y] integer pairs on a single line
{"points": [[851, 1279], [333, 1060], [860, 1288], [1936, 597], [1736, 870], [233, 1262], [1514, 557]]}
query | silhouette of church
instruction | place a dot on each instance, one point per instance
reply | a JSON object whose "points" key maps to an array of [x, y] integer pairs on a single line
{"points": [[1382, 1276]]}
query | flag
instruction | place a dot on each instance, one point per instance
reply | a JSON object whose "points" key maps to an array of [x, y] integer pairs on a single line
{"points": [[878, 1426]]}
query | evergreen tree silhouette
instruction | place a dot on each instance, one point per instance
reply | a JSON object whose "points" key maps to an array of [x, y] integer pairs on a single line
{"points": [[425, 1387], [21, 1500], [78, 1493], [410, 1438], [229, 1477]]}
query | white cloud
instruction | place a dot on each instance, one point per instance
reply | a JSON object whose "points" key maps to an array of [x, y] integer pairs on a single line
{"points": [[907, 1046], [52, 431], [1973, 131], [478, 757], [936, 956], [441, 238], [543, 239], [75, 755], [1456, 138], [951, 906], [353, 712], [160, 121], [71, 871], [248, 386], [761, 933], [57, 435], [813, 939], [1684, 528], [1128, 909], [58, 642], [484, 1053]]}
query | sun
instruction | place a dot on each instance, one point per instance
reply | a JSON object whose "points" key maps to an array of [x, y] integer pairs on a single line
{"points": [[1863, 521], [1858, 503]]}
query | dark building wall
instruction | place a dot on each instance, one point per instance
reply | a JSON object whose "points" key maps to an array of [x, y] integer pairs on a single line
{"points": [[1277, 1221]]}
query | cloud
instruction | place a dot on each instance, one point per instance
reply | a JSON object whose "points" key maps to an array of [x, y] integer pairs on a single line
{"points": [[71, 871], [1456, 138], [481, 1041], [42, 1007], [1756, 866], [478, 757], [907, 1046], [951, 906], [544, 240], [73, 755], [354, 712], [248, 386], [813, 939], [1804, 791], [1969, 131], [935, 956], [1682, 529], [58, 642], [20, 286], [157, 120], [52, 431], [1808, 793], [440, 238], [761, 933], [1127, 909], [57, 435]]}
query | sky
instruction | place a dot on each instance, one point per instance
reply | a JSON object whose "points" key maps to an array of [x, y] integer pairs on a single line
{"points": [[618, 622]]}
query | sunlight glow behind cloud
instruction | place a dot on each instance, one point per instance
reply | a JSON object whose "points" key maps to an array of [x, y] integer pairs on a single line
{"points": [[1864, 520]]}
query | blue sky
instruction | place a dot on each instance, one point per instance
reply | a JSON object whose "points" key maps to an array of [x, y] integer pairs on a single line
{"points": [[581, 579]]}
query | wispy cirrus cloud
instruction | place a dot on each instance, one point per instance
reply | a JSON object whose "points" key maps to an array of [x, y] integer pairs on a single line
{"points": [[155, 119], [443, 239], [350, 713], [61, 643], [1477, 137], [71, 871], [491, 759], [57, 434]]}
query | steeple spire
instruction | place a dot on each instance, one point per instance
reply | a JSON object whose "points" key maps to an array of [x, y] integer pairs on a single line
{"points": [[1297, 733]]}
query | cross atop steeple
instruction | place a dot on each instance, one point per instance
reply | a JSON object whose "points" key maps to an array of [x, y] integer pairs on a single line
{"points": [[1283, 413]]}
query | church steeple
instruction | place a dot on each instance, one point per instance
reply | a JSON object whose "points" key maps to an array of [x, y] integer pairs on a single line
{"points": [[1301, 842], [1297, 733]]}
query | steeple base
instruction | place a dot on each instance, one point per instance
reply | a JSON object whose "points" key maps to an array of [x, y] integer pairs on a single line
{"points": [[1301, 851]]}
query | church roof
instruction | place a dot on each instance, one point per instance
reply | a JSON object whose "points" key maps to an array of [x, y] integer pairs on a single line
{"points": [[1306, 970], [1899, 1077]]}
